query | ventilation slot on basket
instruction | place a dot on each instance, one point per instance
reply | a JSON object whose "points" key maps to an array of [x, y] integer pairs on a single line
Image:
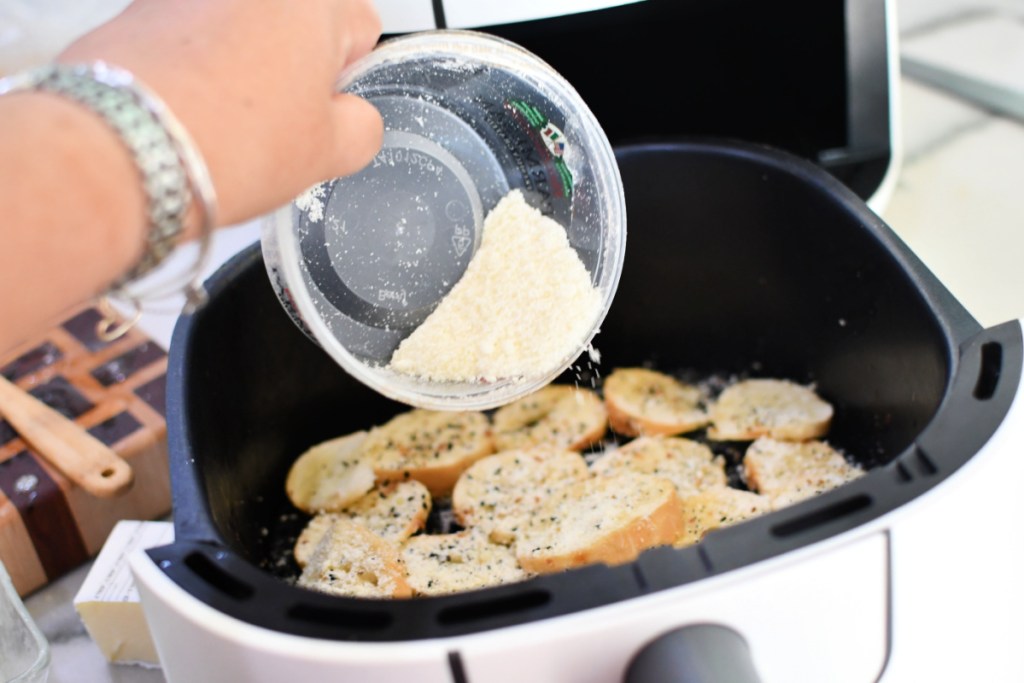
{"points": [[705, 559], [216, 576], [488, 609], [822, 516], [991, 367], [641, 580], [361, 620], [924, 463]]}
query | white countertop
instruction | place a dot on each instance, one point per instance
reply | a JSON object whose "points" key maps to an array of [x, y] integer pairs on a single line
{"points": [[959, 204]]}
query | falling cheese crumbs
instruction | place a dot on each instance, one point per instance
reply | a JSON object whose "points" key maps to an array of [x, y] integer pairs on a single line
{"points": [[524, 304]]}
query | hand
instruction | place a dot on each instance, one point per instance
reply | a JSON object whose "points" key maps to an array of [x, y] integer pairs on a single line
{"points": [[253, 83]]}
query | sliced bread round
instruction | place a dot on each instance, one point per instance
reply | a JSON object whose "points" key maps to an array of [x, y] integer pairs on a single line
{"points": [[451, 563], [642, 401], [330, 475], [557, 415], [351, 560], [768, 407], [499, 492], [394, 512], [602, 519], [432, 447], [690, 465], [716, 508], [788, 472]]}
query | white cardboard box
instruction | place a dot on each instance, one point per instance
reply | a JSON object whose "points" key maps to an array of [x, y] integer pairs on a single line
{"points": [[108, 602]]}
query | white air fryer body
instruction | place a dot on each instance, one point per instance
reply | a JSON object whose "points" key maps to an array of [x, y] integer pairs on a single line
{"points": [[401, 16], [923, 593], [404, 16]]}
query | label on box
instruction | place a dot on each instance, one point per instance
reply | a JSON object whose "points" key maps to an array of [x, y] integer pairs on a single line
{"points": [[110, 579]]}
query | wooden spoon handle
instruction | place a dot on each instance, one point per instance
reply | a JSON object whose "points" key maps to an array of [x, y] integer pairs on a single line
{"points": [[79, 455]]}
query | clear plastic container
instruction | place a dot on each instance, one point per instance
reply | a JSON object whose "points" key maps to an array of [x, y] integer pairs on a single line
{"points": [[359, 262], [24, 652]]}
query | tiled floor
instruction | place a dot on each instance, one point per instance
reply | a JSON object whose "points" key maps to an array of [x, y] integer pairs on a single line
{"points": [[959, 202]]}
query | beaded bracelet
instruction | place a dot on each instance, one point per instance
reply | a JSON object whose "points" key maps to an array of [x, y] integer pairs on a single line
{"points": [[171, 169]]}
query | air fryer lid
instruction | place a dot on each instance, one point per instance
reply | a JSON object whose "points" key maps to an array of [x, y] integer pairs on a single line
{"points": [[741, 259]]}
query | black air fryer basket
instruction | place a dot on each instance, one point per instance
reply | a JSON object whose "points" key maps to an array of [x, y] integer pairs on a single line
{"points": [[739, 260]]}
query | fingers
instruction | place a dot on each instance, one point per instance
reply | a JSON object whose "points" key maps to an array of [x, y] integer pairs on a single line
{"points": [[358, 127], [358, 130]]}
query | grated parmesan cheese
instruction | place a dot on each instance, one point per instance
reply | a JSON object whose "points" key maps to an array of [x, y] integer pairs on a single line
{"points": [[312, 202], [524, 304]]}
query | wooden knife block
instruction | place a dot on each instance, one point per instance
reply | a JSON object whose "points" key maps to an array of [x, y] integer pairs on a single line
{"points": [[115, 390]]}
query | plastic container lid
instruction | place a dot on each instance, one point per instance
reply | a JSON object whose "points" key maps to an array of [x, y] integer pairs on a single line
{"points": [[360, 261]]}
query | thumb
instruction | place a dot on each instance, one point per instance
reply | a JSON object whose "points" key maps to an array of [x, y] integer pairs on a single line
{"points": [[358, 131]]}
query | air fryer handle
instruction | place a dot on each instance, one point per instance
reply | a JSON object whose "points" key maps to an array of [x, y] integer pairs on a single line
{"points": [[701, 653]]}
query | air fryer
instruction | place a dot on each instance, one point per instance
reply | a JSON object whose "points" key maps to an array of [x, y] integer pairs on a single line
{"points": [[741, 259]]}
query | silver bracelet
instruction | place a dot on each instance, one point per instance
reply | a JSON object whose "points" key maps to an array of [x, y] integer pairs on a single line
{"points": [[171, 169]]}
